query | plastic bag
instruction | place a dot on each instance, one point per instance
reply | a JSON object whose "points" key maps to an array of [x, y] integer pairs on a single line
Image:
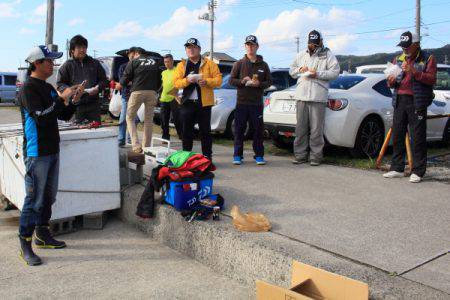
{"points": [[141, 113], [392, 70], [115, 105], [252, 222]]}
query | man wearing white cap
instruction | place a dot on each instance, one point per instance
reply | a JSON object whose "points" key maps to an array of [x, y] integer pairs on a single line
{"points": [[41, 106], [413, 93]]}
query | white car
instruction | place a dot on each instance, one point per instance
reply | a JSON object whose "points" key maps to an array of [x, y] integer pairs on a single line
{"points": [[441, 89], [358, 116]]}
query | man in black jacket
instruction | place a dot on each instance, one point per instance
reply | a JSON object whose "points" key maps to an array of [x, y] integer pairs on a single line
{"points": [[251, 75], [81, 67], [40, 107], [145, 76]]}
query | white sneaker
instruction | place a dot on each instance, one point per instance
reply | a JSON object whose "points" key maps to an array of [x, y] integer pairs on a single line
{"points": [[415, 178], [393, 174]]}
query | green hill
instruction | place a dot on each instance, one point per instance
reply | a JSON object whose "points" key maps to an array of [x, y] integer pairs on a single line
{"points": [[381, 58]]}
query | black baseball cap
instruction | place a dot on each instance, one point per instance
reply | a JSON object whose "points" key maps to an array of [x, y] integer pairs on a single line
{"points": [[192, 41], [314, 37], [251, 39], [407, 39]]}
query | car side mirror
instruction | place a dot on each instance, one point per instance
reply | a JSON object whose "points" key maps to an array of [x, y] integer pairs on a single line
{"points": [[270, 89]]}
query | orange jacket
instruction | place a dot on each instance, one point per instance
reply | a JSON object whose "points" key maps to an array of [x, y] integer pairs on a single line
{"points": [[211, 74]]}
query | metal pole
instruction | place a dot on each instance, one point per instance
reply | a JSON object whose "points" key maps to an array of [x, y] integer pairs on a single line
{"points": [[50, 22], [211, 17], [418, 18], [297, 41]]}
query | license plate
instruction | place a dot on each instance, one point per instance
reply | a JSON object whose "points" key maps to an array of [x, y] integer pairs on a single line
{"points": [[288, 106]]}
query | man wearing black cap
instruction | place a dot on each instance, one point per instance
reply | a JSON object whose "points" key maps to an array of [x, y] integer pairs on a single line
{"points": [[251, 75], [197, 77], [41, 107], [144, 74], [413, 93], [315, 67], [79, 68]]}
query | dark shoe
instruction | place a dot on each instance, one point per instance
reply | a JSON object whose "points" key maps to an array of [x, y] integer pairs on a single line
{"points": [[298, 160], [44, 239], [121, 143], [26, 252]]}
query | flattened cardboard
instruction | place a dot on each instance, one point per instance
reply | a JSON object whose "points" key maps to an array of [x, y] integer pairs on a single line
{"points": [[314, 284]]}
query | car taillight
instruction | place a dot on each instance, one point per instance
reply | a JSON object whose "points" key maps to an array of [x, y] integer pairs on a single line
{"points": [[337, 104], [266, 101]]}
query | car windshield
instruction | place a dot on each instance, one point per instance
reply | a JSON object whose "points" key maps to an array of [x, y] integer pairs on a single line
{"points": [[225, 84], [443, 79], [346, 82]]}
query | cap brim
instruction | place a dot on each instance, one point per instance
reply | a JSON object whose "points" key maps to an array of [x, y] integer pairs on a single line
{"points": [[188, 44], [54, 55], [251, 42]]}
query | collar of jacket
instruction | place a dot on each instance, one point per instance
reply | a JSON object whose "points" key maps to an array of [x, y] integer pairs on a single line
{"points": [[85, 59], [319, 51], [203, 61], [403, 56], [259, 58]]}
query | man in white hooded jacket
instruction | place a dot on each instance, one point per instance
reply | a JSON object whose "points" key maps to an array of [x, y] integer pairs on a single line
{"points": [[314, 67]]}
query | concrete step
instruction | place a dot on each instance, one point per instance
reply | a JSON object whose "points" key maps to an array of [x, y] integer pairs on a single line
{"points": [[247, 257]]}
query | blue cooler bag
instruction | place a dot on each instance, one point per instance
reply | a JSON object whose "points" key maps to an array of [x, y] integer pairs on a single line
{"points": [[184, 195]]}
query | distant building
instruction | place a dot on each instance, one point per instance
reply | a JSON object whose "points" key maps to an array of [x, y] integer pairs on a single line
{"points": [[221, 58]]}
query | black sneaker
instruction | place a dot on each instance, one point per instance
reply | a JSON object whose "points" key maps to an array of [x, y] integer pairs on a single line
{"points": [[44, 239], [298, 160]]}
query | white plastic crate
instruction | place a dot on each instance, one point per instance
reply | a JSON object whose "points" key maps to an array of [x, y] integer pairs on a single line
{"points": [[157, 155]]}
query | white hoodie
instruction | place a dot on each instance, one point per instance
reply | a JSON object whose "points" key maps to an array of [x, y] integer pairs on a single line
{"points": [[327, 68]]}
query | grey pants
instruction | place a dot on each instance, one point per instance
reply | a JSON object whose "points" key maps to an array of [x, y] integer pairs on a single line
{"points": [[309, 130]]}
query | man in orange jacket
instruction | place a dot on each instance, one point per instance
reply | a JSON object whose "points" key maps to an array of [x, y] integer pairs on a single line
{"points": [[196, 77]]}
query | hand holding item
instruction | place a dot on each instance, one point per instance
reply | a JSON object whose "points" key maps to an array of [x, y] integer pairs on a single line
{"points": [[92, 91], [202, 82], [118, 86], [303, 69], [391, 80], [67, 93], [79, 92], [313, 74], [245, 80], [405, 67]]}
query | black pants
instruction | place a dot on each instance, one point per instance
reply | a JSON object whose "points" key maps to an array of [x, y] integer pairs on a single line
{"points": [[242, 115], [405, 114], [166, 109], [191, 113], [89, 112]]}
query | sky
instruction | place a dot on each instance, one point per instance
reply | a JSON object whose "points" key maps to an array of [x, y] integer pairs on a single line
{"points": [[358, 27]]}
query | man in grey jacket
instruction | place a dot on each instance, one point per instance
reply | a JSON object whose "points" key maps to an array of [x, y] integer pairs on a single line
{"points": [[314, 67]]}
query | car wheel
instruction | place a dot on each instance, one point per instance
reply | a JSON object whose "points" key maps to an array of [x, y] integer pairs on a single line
{"points": [[282, 142], [369, 139], [446, 135], [230, 130]]}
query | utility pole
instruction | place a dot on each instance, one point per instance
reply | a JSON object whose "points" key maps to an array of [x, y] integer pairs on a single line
{"points": [[211, 18], [297, 42], [95, 53], [67, 48], [49, 28], [446, 59], [418, 18]]}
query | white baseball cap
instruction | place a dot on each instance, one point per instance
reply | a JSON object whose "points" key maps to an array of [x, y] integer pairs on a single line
{"points": [[42, 52]]}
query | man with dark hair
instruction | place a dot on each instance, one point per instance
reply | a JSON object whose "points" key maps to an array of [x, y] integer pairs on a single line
{"points": [[83, 68], [251, 75], [198, 77], [40, 107], [169, 104], [144, 74], [413, 93]]}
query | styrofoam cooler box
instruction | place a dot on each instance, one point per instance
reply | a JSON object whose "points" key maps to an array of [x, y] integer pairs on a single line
{"points": [[183, 195], [89, 179]]}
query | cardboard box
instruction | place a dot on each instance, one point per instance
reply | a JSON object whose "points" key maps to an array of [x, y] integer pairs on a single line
{"points": [[313, 283]]}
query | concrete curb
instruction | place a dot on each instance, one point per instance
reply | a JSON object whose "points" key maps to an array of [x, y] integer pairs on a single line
{"points": [[246, 257]]}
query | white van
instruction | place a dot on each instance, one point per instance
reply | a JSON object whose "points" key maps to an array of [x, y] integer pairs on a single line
{"points": [[7, 86]]}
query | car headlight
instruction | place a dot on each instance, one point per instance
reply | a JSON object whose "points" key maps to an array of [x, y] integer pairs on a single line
{"points": [[218, 100], [337, 104]]}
